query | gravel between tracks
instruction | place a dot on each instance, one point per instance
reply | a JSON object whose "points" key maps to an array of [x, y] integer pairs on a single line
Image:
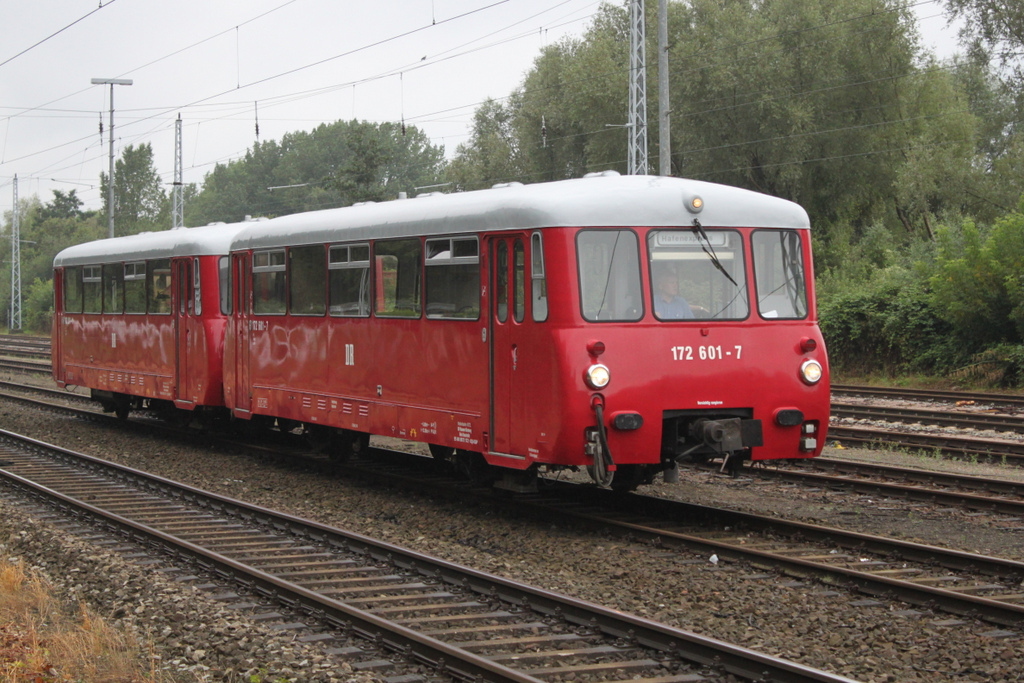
{"points": [[802, 621]]}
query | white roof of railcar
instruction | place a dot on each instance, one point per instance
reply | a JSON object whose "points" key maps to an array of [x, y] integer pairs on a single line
{"points": [[208, 240], [605, 201]]}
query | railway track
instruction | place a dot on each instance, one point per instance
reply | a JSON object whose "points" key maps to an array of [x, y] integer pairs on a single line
{"points": [[989, 592], [999, 422], [456, 622], [928, 395], [940, 488], [957, 582], [24, 365], [972, 448], [38, 345]]}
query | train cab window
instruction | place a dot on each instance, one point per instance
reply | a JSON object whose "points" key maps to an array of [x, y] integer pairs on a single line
{"points": [[398, 278], [135, 287], [197, 290], [73, 289], [519, 281], [697, 273], [539, 283], [453, 278], [349, 280], [779, 274], [158, 286], [268, 282], [92, 289], [113, 288], [224, 282], [307, 293], [609, 273]]}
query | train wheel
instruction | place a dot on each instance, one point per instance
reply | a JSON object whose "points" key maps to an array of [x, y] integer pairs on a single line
{"points": [[441, 453], [346, 443], [318, 437], [474, 467], [123, 408], [628, 477]]}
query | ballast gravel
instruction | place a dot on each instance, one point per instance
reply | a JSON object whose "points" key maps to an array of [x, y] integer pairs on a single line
{"points": [[867, 638]]}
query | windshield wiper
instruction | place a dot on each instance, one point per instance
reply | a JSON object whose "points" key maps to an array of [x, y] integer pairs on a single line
{"points": [[699, 231]]}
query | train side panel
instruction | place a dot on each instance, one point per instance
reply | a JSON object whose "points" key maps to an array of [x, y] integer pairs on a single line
{"points": [[413, 379], [129, 354]]}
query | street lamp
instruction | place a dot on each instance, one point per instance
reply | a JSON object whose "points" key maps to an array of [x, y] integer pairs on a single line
{"points": [[110, 178]]}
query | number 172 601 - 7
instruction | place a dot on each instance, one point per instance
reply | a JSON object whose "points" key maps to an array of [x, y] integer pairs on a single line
{"points": [[705, 352]]}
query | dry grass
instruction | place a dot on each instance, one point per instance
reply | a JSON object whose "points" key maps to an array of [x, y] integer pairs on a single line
{"points": [[42, 641]]}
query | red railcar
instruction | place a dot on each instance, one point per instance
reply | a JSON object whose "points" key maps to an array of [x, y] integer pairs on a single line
{"points": [[620, 324], [140, 320]]}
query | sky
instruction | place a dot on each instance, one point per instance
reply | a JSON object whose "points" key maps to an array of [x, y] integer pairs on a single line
{"points": [[223, 66]]}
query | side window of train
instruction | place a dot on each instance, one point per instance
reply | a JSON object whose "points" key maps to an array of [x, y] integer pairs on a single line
{"points": [[73, 289], [453, 278], [307, 294], [501, 281], [184, 285], [519, 281], [197, 299], [349, 280], [224, 282], [398, 278], [92, 289], [539, 283], [158, 286], [609, 275], [135, 287], [113, 288], [268, 282]]}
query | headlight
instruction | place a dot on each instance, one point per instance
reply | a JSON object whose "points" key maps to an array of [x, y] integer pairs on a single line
{"points": [[811, 371], [597, 376]]}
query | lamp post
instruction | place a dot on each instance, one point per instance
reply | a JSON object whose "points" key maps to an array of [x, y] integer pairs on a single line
{"points": [[110, 178]]}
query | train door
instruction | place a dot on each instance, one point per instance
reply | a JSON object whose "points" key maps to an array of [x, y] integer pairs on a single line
{"points": [[507, 320], [243, 285], [57, 334], [182, 332]]}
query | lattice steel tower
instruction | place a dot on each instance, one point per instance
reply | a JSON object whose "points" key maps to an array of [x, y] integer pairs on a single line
{"points": [[177, 198], [637, 127]]}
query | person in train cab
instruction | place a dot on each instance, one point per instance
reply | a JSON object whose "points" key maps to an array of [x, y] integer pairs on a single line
{"points": [[668, 305]]}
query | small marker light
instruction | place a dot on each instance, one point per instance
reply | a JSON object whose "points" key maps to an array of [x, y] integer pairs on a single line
{"points": [[694, 204]]}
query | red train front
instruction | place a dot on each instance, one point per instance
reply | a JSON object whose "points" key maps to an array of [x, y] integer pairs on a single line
{"points": [[615, 323]]}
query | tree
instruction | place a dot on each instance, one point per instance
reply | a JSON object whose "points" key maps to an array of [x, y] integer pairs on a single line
{"points": [[491, 155], [140, 203], [996, 24], [825, 103], [62, 206], [335, 164]]}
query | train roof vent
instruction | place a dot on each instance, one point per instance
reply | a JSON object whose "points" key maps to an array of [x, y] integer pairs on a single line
{"points": [[499, 186], [250, 219], [602, 174], [218, 222]]}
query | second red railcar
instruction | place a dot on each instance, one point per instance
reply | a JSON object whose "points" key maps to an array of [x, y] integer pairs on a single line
{"points": [[140, 320]]}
